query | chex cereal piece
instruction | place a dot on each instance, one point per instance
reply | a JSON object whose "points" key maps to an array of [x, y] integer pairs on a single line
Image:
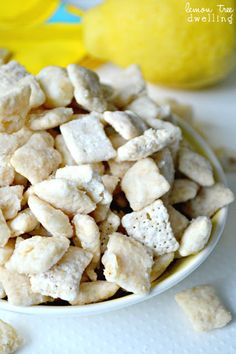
{"points": [[63, 280], [208, 201], [66, 157], [128, 85], [107, 227], [5, 232], [183, 190], [119, 169], [56, 85], [88, 91], [46, 119], [122, 123], [4, 55], [203, 308], [165, 164], [195, 236], [144, 145], [178, 221], [195, 167], [10, 200], [64, 194], [160, 263], [6, 251], [151, 226], [95, 291], [37, 159], [18, 289], [122, 263], [87, 232], [143, 183], [22, 223], [54, 220], [37, 254], [85, 179], [146, 108], [10, 340], [86, 140]]}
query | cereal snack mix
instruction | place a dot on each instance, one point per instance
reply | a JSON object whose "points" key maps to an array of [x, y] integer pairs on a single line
{"points": [[100, 191], [203, 308]]}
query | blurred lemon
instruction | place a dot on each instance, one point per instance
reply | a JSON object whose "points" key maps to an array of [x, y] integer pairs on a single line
{"points": [[163, 37]]}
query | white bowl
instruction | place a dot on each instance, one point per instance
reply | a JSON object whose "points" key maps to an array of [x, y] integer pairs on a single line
{"points": [[175, 273]]}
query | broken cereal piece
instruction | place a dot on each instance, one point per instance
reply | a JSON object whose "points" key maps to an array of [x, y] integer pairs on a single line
{"points": [[48, 119], [203, 308]]}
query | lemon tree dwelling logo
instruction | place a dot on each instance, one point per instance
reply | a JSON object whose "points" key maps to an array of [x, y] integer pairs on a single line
{"points": [[219, 13]]}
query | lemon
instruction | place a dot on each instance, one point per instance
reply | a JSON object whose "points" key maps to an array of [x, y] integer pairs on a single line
{"points": [[163, 37]]}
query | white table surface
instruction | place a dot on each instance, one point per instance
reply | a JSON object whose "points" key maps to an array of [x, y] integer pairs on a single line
{"points": [[156, 326]]}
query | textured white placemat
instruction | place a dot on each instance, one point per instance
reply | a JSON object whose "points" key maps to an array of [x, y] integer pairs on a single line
{"points": [[156, 326]]}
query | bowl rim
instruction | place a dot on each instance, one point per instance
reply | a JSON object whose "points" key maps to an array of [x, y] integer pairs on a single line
{"points": [[167, 283]]}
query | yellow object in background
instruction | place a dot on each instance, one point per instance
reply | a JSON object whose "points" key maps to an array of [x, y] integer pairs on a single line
{"points": [[159, 35]]}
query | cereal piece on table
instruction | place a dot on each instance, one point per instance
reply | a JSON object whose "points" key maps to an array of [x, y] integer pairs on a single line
{"points": [[64, 195], [143, 183], [87, 232], [5, 232], [110, 182], [165, 164], [63, 280], [95, 291], [160, 263], [128, 84], [87, 141], [122, 123], [123, 266], [54, 220], [203, 308], [37, 159], [10, 341], [88, 91], [183, 190], [151, 227], [146, 108], [46, 119], [195, 236], [178, 221], [18, 289], [56, 85], [85, 179], [195, 167], [37, 254], [144, 145], [119, 169], [10, 200], [4, 55], [107, 227], [22, 223], [208, 201], [6, 252], [66, 157]]}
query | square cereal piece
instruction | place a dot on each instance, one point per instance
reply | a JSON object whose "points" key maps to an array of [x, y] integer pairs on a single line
{"points": [[183, 190], [5, 232], [95, 291], [46, 119], [63, 280], [10, 200], [195, 167], [88, 90], [143, 183], [37, 159], [10, 341], [18, 289], [151, 227], [86, 140], [128, 263], [122, 123], [203, 308], [208, 201]]}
